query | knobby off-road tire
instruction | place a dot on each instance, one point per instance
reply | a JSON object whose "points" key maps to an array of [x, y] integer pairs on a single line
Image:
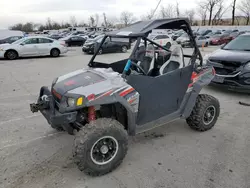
{"points": [[92, 136], [205, 113]]}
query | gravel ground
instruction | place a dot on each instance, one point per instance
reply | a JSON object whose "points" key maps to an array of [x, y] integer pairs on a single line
{"points": [[33, 155]]}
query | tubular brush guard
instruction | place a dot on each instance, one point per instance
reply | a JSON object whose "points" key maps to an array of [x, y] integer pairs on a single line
{"points": [[43, 101]]}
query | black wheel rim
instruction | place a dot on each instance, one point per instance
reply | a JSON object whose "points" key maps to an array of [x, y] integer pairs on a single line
{"points": [[104, 150], [100, 51], [55, 53], [209, 115], [124, 49], [11, 55]]}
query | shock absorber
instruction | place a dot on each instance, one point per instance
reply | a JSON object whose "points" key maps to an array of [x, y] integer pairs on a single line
{"points": [[91, 114]]}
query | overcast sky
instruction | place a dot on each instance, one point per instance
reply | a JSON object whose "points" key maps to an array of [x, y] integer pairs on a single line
{"points": [[14, 11]]}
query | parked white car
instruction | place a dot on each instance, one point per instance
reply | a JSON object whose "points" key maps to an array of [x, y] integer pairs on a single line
{"points": [[33, 46], [162, 39]]}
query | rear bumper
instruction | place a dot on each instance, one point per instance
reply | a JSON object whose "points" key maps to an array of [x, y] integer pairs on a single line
{"points": [[47, 108], [64, 50]]}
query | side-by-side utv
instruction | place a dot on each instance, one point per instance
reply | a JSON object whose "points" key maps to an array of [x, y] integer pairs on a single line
{"points": [[105, 103]]}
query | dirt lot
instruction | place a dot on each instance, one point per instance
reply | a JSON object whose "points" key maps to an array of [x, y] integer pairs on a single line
{"points": [[32, 155]]}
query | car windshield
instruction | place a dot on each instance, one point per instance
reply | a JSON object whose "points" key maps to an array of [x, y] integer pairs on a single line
{"points": [[19, 41], [216, 36], [228, 31], [184, 35], [234, 34], [241, 43], [151, 37]]}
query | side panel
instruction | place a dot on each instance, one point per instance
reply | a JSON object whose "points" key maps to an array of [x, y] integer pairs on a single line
{"points": [[198, 81], [160, 96]]}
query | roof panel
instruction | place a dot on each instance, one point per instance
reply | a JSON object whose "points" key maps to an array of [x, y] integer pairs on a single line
{"points": [[144, 27]]}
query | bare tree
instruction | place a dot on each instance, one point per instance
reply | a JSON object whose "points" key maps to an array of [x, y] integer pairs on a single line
{"points": [[211, 4], [92, 21], [245, 9], [96, 19], [220, 11], [127, 18], [202, 11], [168, 11], [105, 21], [49, 23], [177, 9], [233, 11], [73, 21], [82, 24], [148, 16], [190, 14]]}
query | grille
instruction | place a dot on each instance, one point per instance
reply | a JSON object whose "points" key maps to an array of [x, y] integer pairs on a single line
{"points": [[225, 67]]}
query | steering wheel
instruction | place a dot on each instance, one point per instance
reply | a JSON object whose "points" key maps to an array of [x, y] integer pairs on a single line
{"points": [[138, 68]]}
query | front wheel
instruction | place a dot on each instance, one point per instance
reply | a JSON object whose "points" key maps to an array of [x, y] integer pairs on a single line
{"points": [[100, 146], [124, 49], [205, 113], [11, 55]]}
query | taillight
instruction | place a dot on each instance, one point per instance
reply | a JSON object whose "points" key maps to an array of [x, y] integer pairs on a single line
{"points": [[63, 43]]}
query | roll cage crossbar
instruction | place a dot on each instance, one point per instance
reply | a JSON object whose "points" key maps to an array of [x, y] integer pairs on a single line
{"points": [[143, 36]]}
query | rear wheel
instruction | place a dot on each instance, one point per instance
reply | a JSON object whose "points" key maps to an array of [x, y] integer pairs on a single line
{"points": [[11, 55], [124, 49], [100, 146], [54, 52], [205, 113], [168, 45]]}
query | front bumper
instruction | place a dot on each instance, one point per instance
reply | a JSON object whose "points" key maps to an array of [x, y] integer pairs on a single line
{"points": [[46, 105], [87, 49], [232, 83], [64, 50], [2, 54]]}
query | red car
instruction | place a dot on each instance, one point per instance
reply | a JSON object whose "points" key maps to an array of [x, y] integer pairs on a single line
{"points": [[220, 39]]}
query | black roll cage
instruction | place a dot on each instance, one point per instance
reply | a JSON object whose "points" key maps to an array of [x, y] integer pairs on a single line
{"points": [[186, 27]]}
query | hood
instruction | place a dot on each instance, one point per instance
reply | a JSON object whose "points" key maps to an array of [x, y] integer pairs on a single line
{"points": [[88, 81], [76, 79], [240, 57], [182, 39], [5, 44], [89, 42]]}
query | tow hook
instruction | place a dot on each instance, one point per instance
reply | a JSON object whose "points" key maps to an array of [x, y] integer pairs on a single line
{"points": [[40, 105]]}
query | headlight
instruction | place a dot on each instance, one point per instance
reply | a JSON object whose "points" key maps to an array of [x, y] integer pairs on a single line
{"points": [[205, 58], [75, 102], [247, 66], [1, 49], [71, 102]]}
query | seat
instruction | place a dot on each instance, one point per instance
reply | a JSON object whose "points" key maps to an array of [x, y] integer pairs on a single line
{"points": [[147, 60], [176, 60]]}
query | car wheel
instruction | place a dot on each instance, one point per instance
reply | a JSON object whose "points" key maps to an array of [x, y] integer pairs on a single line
{"points": [[168, 45], [124, 49], [54, 52], [206, 45], [205, 113], [100, 146], [11, 55], [100, 51]]}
